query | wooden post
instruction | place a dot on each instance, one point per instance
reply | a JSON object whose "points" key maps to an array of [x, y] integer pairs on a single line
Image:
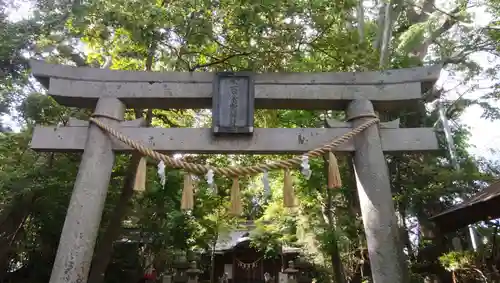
{"points": [[375, 197], [79, 233]]}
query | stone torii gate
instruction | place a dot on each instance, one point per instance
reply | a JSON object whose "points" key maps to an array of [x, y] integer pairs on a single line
{"points": [[109, 93]]}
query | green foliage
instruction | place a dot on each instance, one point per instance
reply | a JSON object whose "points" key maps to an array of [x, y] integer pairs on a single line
{"points": [[453, 261], [16, 38]]}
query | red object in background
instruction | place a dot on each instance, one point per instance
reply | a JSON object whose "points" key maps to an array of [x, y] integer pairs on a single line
{"points": [[150, 276]]}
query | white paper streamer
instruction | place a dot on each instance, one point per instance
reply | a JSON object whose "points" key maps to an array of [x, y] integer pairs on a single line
{"points": [[265, 182], [210, 177], [306, 169], [161, 173]]}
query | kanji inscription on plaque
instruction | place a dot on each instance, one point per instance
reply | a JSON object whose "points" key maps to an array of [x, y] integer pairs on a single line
{"points": [[233, 103]]}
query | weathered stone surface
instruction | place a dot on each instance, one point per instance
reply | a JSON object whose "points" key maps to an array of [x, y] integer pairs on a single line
{"points": [[233, 104], [81, 87], [81, 226], [264, 140], [375, 199], [42, 70], [267, 96], [394, 124]]}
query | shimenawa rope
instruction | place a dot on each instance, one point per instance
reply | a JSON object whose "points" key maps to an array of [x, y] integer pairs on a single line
{"points": [[234, 171]]}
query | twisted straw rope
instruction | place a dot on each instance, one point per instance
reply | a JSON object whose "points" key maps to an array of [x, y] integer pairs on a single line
{"points": [[234, 170]]}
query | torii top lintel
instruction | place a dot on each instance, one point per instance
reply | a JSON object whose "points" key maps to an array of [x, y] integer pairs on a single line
{"points": [[83, 86]]}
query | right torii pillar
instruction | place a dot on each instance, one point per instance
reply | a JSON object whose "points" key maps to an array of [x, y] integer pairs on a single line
{"points": [[375, 198]]}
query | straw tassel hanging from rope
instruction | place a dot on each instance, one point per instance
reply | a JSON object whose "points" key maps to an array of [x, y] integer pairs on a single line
{"points": [[288, 191], [140, 176], [187, 201], [236, 207], [334, 181]]}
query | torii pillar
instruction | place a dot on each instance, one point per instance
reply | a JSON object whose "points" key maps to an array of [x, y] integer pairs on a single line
{"points": [[375, 198], [78, 237]]}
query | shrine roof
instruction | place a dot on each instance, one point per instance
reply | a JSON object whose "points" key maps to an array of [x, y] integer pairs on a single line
{"points": [[481, 207], [229, 241], [225, 243]]}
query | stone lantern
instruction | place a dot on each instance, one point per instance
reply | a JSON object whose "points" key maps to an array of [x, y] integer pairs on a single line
{"points": [[291, 272], [168, 276], [180, 266], [303, 267], [193, 273]]}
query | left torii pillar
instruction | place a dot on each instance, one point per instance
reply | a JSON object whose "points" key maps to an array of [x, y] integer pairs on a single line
{"points": [[78, 237]]}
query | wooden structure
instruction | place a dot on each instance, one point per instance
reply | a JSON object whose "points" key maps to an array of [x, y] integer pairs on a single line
{"points": [[244, 264], [109, 93], [234, 256], [481, 207]]}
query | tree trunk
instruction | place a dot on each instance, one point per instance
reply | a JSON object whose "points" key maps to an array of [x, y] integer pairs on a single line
{"points": [[11, 227], [395, 171], [336, 261], [105, 247], [212, 258]]}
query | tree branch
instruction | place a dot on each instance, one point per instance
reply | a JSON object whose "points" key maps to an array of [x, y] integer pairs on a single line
{"points": [[69, 52], [392, 12], [450, 21], [361, 21], [425, 10], [167, 121], [218, 61], [380, 24]]}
